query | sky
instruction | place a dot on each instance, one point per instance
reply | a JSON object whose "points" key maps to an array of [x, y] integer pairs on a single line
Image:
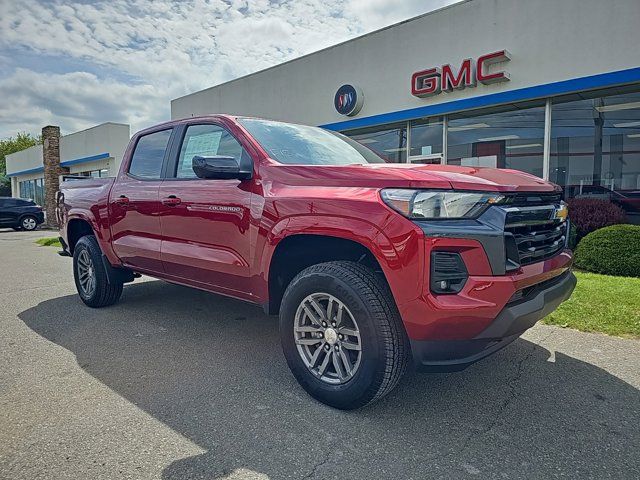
{"points": [[78, 64]]}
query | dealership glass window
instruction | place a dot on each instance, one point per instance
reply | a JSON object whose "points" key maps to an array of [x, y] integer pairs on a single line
{"points": [[595, 147], [32, 189], [425, 138], [39, 191], [511, 136], [389, 142], [93, 173]]}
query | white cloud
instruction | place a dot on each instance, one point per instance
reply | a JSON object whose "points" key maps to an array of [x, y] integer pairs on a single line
{"points": [[155, 51], [31, 100], [380, 13]]}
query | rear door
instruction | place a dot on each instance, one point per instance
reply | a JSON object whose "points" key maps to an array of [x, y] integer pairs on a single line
{"points": [[205, 222], [134, 206]]}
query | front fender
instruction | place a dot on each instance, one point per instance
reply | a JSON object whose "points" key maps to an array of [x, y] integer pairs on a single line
{"points": [[399, 248]]}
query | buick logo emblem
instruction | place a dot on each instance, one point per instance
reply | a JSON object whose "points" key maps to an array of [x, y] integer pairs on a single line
{"points": [[348, 100]]}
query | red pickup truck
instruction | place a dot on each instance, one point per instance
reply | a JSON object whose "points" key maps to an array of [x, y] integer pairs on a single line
{"points": [[371, 266]]}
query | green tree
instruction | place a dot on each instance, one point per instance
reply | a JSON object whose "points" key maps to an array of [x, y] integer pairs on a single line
{"points": [[12, 145]]}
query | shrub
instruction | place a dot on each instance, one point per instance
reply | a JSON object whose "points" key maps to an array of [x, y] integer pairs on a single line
{"points": [[588, 215], [611, 250]]}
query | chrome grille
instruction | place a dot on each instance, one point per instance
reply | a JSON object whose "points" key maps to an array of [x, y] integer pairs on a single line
{"points": [[536, 232], [533, 199]]}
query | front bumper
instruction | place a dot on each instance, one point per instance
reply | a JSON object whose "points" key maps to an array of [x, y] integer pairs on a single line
{"points": [[516, 317]]}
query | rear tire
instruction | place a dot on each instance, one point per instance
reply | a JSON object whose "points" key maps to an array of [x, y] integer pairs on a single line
{"points": [[28, 223], [373, 336], [90, 276]]}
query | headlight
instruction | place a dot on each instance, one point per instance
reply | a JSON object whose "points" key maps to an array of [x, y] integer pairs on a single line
{"points": [[438, 203]]}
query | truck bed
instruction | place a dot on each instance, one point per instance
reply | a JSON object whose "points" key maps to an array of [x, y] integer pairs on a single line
{"points": [[85, 194]]}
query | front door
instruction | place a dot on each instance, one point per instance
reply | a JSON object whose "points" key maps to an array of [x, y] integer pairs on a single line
{"points": [[205, 222], [134, 204], [8, 211]]}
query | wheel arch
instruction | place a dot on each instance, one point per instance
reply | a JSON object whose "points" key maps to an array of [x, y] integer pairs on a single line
{"points": [[295, 252], [76, 229]]}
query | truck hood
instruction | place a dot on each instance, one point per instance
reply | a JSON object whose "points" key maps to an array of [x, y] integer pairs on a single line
{"points": [[413, 176]]}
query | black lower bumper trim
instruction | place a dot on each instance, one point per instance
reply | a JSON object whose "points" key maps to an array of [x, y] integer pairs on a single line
{"points": [[513, 320]]}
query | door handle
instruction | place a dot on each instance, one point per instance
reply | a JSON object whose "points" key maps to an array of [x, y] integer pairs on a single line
{"points": [[122, 200], [171, 201]]}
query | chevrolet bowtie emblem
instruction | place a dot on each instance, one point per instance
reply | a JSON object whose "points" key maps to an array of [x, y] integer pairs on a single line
{"points": [[561, 213]]}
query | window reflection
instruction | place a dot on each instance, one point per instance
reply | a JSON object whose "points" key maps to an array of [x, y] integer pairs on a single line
{"points": [[389, 142], [595, 148], [426, 140], [93, 173], [32, 189], [503, 139]]}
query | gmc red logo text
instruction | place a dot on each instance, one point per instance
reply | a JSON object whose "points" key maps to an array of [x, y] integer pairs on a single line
{"points": [[435, 80]]}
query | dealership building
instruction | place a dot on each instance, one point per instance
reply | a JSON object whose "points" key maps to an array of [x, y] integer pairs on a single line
{"points": [[544, 86], [94, 152]]}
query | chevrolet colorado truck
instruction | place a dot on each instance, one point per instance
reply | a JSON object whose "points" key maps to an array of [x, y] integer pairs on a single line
{"points": [[371, 266]]}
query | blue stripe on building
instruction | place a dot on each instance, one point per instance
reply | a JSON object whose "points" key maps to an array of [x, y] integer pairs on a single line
{"points": [[603, 80], [92, 158], [66, 163], [26, 172]]}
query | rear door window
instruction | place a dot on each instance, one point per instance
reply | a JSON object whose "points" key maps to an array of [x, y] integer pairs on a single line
{"points": [[148, 155]]}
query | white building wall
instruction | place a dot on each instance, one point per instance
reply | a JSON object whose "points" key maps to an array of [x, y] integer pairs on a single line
{"points": [[111, 138], [108, 163], [108, 137], [549, 41], [24, 160]]}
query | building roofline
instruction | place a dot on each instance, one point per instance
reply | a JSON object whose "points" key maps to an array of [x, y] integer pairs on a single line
{"points": [[73, 133], [393, 25], [26, 172], [96, 126]]}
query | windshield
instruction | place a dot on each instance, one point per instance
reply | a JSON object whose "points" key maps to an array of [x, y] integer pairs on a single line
{"points": [[303, 145]]}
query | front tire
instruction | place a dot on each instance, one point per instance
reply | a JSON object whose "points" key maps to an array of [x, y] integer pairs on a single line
{"points": [[90, 276], [342, 335]]}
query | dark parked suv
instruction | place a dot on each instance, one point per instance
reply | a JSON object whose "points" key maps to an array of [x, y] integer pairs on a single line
{"points": [[20, 214]]}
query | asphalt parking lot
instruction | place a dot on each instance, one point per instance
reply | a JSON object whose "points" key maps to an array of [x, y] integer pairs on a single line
{"points": [[176, 383]]}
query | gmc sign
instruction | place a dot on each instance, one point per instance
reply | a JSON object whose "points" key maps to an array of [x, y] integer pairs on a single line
{"points": [[434, 80]]}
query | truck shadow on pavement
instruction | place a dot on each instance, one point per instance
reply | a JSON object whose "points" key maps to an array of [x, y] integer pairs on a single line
{"points": [[211, 369]]}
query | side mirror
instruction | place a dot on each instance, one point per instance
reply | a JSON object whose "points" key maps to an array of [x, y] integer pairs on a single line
{"points": [[219, 166]]}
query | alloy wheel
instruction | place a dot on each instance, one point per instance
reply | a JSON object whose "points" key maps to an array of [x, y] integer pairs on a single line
{"points": [[86, 273], [327, 338], [29, 223]]}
